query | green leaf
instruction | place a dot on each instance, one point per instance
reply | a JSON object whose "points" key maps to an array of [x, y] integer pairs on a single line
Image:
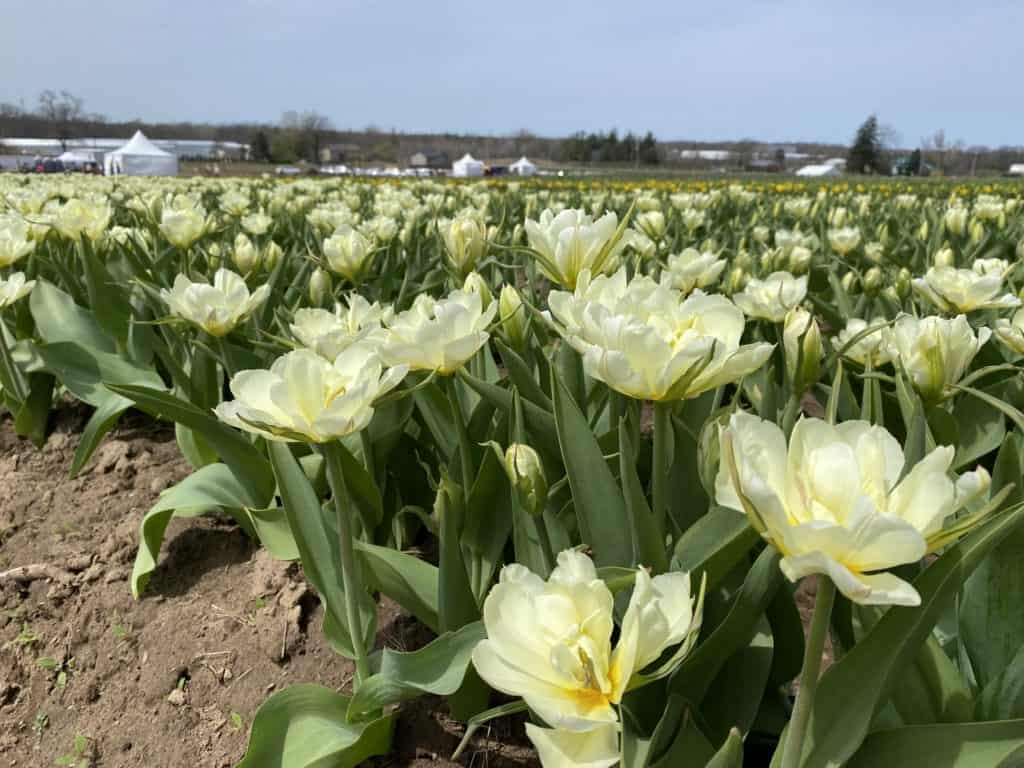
{"points": [[236, 451], [84, 371], [991, 622], [457, 604], [319, 550], [212, 487], [488, 522], [1003, 697], [304, 726], [931, 689], [695, 675], [730, 755], [647, 538], [734, 697], [108, 302], [950, 745], [272, 529], [539, 423], [34, 414], [522, 377], [409, 581], [100, 423], [980, 428], [857, 686], [714, 544], [58, 319], [600, 509], [438, 668], [687, 500]]}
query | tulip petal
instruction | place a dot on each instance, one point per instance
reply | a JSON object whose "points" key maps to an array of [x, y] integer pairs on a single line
{"points": [[596, 748]]}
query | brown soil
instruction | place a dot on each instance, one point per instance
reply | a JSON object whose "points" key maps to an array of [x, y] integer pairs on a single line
{"points": [[175, 678]]}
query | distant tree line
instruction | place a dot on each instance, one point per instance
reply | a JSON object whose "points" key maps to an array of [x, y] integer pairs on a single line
{"points": [[585, 147]]}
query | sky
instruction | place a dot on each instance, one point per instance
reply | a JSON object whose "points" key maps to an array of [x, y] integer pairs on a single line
{"points": [[790, 70]]}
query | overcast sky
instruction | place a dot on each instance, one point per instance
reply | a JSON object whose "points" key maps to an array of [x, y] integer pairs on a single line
{"points": [[785, 70]]}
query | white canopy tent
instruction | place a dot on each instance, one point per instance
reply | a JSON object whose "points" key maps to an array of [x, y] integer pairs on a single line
{"points": [[77, 157], [523, 167], [140, 157], [819, 171], [467, 165]]}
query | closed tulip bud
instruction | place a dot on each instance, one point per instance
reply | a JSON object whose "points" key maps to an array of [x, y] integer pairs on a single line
{"points": [[890, 293], [474, 283], [272, 255], [874, 252], [518, 234], [955, 220], [802, 340], [213, 253], [903, 284], [319, 287], [761, 233], [767, 261], [800, 260], [244, 255], [526, 474], [513, 317], [944, 257], [652, 224], [977, 231], [872, 281], [883, 234], [849, 282], [743, 260], [922, 233], [736, 280]]}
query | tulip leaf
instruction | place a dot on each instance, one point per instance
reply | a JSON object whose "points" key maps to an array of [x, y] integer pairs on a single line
{"points": [[695, 675], [539, 423], [319, 550], [857, 686], [409, 581], [31, 418], [600, 509], [438, 668], [1003, 697], [58, 318], [714, 544], [272, 530], [991, 622], [734, 697], [730, 754], [85, 371], [949, 745], [522, 377], [235, 450], [488, 522], [304, 726], [687, 500], [433, 407], [213, 487], [108, 302], [980, 429], [100, 423], [648, 539]]}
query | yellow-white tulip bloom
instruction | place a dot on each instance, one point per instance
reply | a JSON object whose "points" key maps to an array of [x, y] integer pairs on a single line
{"points": [[15, 240], [439, 334], [773, 297], [834, 504], [550, 643], [305, 398], [934, 351], [465, 241], [652, 224], [644, 340], [183, 226], [844, 239], [257, 223], [218, 308], [693, 269], [572, 242], [1011, 332], [801, 339], [871, 346], [330, 333], [14, 287], [348, 253], [964, 290], [77, 218]]}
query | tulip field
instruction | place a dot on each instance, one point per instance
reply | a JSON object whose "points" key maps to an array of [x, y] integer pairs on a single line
{"points": [[674, 473]]}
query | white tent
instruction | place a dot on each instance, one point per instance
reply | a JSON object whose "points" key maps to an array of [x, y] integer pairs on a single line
{"points": [[523, 167], [1017, 169], [77, 157], [140, 157], [819, 170], [467, 165]]}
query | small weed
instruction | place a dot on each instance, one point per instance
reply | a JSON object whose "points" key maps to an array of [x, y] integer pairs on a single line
{"points": [[237, 723], [41, 723], [76, 758]]}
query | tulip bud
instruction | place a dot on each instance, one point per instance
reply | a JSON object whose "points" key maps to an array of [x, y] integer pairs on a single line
{"points": [[874, 252], [955, 220], [272, 255], [474, 283], [743, 260], [944, 257], [872, 281], [922, 233], [903, 283], [977, 230], [802, 340], [883, 234], [890, 293], [244, 255], [526, 474], [518, 234], [767, 261], [652, 223], [213, 254], [761, 233], [319, 287], [849, 282], [800, 260], [513, 317], [735, 281]]}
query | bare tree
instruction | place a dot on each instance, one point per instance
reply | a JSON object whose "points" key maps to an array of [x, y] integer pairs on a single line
{"points": [[60, 110]]}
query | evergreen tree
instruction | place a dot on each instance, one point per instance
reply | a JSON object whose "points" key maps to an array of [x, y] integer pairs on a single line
{"points": [[914, 164], [866, 152], [649, 150], [261, 147]]}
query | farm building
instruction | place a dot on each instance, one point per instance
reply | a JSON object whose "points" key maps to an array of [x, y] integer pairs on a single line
{"points": [[467, 165]]}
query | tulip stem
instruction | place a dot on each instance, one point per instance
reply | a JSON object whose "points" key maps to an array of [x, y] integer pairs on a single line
{"points": [[794, 745], [350, 578], [660, 471], [546, 550], [368, 457]]}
